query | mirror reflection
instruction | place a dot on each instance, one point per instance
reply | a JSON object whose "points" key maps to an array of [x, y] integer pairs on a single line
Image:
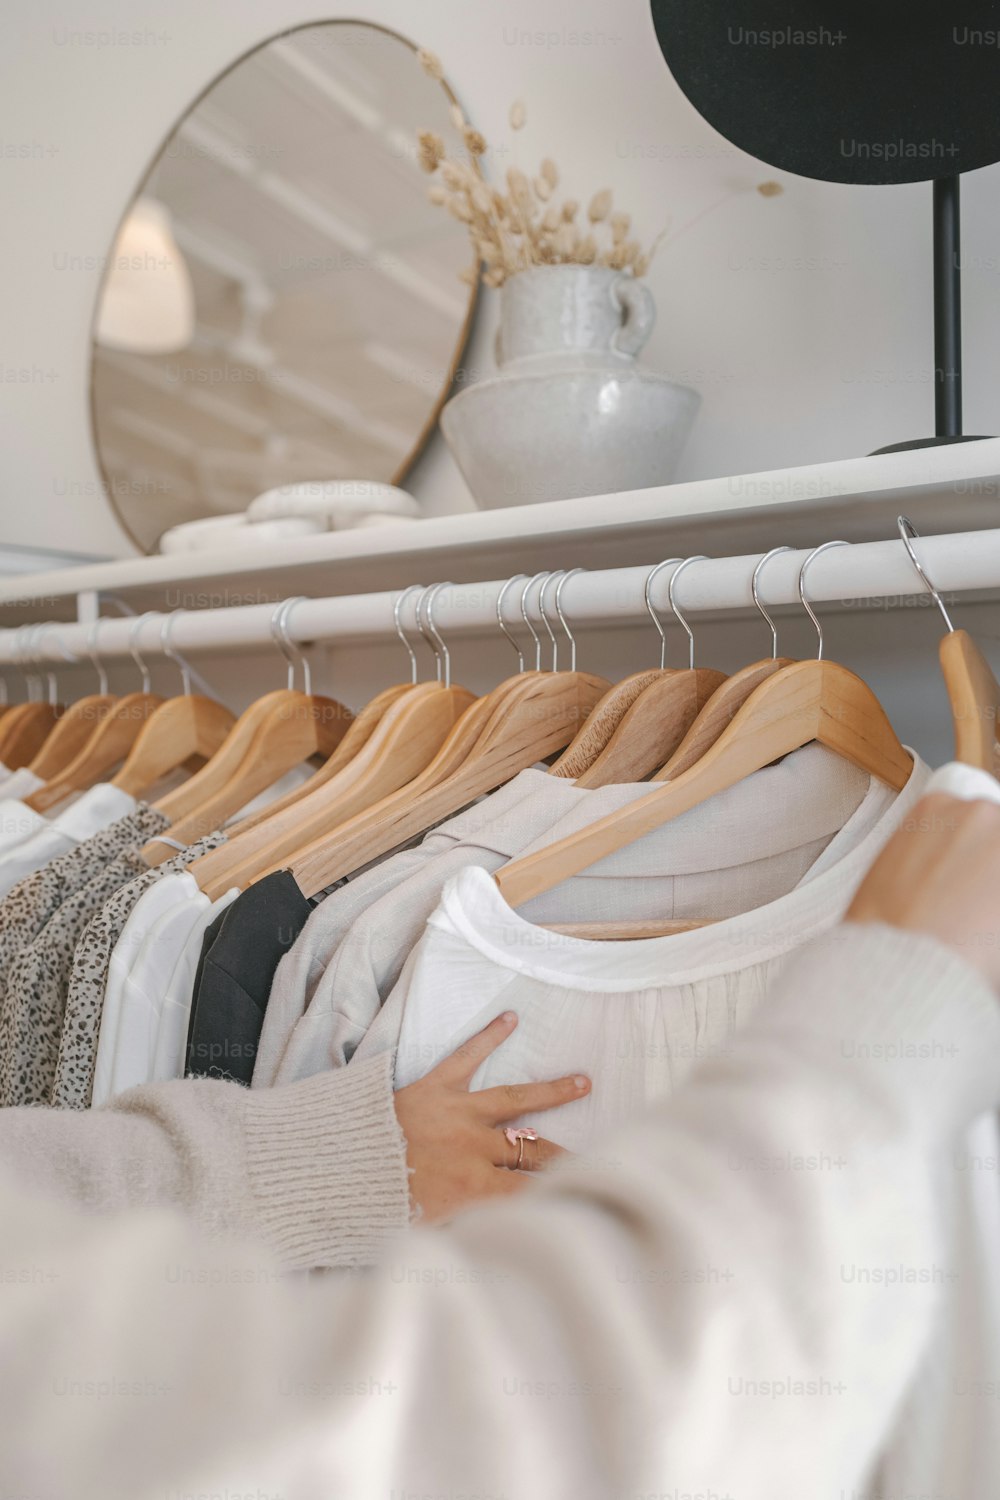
{"points": [[282, 303]]}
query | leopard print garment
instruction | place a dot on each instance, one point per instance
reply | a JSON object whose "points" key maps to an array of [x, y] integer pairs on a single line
{"points": [[37, 979], [73, 1080], [27, 907]]}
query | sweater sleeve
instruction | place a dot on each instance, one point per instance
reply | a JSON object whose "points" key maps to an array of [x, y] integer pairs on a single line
{"points": [[669, 1317], [316, 1170]]}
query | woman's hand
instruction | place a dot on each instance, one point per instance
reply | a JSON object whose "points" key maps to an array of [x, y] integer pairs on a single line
{"points": [[455, 1146], [940, 875]]}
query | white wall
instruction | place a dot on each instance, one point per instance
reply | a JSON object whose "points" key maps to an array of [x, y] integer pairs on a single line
{"points": [[804, 319]]}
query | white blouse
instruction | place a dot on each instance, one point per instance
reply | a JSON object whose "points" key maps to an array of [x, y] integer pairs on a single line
{"points": [[637, 1016]]}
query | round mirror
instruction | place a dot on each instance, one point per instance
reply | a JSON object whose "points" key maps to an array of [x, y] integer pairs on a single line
{"points": [[283, 304]]}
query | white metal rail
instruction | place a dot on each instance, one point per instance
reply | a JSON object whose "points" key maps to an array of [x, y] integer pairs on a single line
{"points": [[866, 572]]}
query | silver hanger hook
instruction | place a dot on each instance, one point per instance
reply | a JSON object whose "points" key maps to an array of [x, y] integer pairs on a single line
{"points": [[824, 547], [562, 618], [503, 624], [133, 646], [671, 595], [559, 573], [97, 664], [397, 621], [432, 634], [25, 661], [908, 533], [292, 653], [524, 615], [757, 600], [66, 654], [647, 595], [166, 630], [425, 631]]}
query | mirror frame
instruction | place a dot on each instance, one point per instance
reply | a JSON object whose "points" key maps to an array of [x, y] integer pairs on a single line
{"points": [[464, 333]]}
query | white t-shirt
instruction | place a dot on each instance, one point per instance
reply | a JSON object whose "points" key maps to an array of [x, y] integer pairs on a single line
{"points": [[174, 893], [169, 1054], [637, 1016], [21, 784], [32, 841]]}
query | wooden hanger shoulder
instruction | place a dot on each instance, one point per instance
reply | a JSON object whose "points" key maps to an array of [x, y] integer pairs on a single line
{"points": [[540, 715], [108, 745], [629, 932], [453, 754], [653, 727], [24, 731], [717, 713], [592, 737], [188, 725], [974, 695], [296, 727], [410, 734], [358, 734], [216, 772], [70, 734], [812, 700]]}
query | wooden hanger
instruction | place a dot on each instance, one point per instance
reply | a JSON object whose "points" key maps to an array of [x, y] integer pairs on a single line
{"points": [[408, 737], [591, 739], [973, 691], [76, 724], [525, 719], [359, 732], [731, 694], [179, 729], [70, 734], [23, 732], [302, 726], [655, 723], [396, 739], [974, 695], [462, 743], [340, 803], [190, 725], [653, 727], [808, 701], [185, 799], [716, 713], [294, 727], [26, 726], [534, 719], [109, 743]]}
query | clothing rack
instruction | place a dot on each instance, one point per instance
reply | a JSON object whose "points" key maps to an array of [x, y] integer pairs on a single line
{"points": [[864, 573]]}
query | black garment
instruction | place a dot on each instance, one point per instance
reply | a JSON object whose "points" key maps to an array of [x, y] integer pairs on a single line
{"points": [[240, 952]]}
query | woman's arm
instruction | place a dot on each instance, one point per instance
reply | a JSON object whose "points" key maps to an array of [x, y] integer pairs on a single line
{"points": [[673, 1318], [324, 1171]]}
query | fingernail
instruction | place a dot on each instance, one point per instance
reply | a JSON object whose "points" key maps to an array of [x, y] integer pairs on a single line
{"points": [[580, 1082], [509, 1018]]}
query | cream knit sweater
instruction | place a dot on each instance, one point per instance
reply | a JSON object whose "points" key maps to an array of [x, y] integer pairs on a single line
{"points": [[666, 1320], [317, 1170]]}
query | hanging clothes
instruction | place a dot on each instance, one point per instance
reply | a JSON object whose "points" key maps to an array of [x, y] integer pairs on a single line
{"points": [[34, 961], [73, 1085], [636, 1017], [791, 810], [235, 974], [45, 839]]}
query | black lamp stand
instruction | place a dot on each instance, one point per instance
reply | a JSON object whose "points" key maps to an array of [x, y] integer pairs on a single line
{"points": [[947, 322]]}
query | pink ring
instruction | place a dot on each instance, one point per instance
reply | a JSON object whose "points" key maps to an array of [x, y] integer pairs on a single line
{"points": [[516, 1136]]}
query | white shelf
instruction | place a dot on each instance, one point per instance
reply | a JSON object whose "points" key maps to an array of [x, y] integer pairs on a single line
{"points": [[947, 489]]}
